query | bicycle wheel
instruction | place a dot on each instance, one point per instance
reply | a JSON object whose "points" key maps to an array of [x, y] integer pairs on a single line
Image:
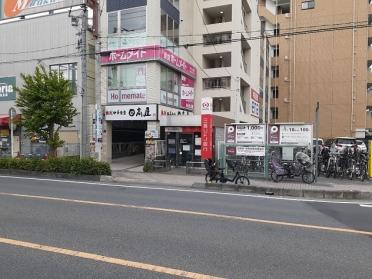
{"points": [[275, 177], [208, 178], [308, 177], [242, 181]]}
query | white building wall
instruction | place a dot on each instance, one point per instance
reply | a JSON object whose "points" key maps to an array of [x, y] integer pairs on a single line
{"points": [[46, 40]]}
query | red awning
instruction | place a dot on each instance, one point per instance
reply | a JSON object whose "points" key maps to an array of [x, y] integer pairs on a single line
{"points": [[4, 120]]}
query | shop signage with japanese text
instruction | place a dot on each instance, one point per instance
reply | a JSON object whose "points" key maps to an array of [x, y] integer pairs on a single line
{"points": [[255, 103], [148, 53], [291, 134], [131, 112], [206, 128], [7, 88], [187, 93]]}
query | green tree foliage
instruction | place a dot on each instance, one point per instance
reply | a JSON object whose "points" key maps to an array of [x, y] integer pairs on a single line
{"points": [[45, 101]]}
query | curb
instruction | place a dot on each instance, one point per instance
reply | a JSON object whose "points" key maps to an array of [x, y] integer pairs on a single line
{"points": [[50, 175], [318, 194], [262, 190]]}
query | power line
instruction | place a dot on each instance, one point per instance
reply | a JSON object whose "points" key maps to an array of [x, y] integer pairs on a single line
{"points": [[186, 45], [335, 26]]}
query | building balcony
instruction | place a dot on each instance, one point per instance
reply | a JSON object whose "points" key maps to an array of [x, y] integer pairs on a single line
{"points": [[369, 77], [369, 99], [263, 12], [369, 121], [369, 52], [218, 72]]}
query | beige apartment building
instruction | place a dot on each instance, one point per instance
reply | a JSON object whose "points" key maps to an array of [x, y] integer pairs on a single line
{"points": [[228, 61], [321, 52]]}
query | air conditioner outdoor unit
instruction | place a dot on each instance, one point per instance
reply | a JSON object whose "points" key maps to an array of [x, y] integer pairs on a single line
{"points": [[287, 15], [286, 100], [286, 36], [286, 57], [286, 79]]}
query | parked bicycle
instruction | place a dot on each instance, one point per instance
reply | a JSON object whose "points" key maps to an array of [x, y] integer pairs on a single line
{"points": [[302, 166], [217, 175]]}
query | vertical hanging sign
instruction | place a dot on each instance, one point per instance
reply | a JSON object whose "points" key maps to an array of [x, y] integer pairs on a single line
{"points": [[206, 128]]}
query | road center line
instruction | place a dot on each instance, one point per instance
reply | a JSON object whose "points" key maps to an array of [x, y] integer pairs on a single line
{"points": [[194, 213], [104, 259], [366, 205]]}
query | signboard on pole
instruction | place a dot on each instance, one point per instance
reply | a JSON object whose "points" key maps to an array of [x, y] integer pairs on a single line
{"points": [[255, 104], [206, 128]]}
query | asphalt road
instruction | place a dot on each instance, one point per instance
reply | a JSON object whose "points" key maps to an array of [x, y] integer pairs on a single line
{"points": [[195, 232]]}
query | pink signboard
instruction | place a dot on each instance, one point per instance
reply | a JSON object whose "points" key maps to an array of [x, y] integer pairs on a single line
{"points": [[148, 53], [187, 93]]}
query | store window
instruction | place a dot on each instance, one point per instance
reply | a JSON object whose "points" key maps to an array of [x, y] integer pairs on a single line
{"points": [[170, 86], [169, 80], [69, 72], [169, 30], [127, 76], [133, 20]]}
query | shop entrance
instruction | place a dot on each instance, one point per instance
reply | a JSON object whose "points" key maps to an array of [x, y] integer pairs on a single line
{"points": [[183, 146], [128, 138]]}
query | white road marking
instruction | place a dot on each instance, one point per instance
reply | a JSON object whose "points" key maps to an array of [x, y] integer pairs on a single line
{"points": [[182, 190], [366, 205]]}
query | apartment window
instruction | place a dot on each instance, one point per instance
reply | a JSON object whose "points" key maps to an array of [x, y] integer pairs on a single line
{"points": [[169, 80], [92, 51], [276, 50], [306, 5], [369, 88], [370, 41], [369, 66], [221, 104], [221, 82], [112, 23], [277, 30], [175, 3], [275, 71], [275, 92], [133, 20], [217, 38], [369, 19], [69, 72], [274, 113]]}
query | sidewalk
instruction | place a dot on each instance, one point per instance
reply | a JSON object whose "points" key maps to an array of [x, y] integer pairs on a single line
{"points": [[328, 188]]}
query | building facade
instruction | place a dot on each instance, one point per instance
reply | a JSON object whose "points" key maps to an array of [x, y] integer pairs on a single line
{"points": [[47, 35], [320, 53], [160, 58]]}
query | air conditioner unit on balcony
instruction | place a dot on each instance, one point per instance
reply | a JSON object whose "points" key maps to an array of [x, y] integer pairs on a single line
{"points": [[286, 79], [286, 100], [286, 57], [286, 37], [287, 15]]}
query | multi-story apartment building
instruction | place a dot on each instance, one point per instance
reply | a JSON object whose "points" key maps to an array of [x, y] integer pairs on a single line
{"points": [[321, 53], [159, 58], [46, 33], [228, 57]]}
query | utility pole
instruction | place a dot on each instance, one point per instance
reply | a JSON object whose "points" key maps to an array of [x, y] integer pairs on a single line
{"points": [[317, 139], [84, 91]]}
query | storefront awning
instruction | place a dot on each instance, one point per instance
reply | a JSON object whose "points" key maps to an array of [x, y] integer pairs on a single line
{"points": [[4, 120]]}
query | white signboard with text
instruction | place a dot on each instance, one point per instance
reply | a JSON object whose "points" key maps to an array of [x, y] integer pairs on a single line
{"points": [[131, 112], [296, 134], [250, 134], [250, 151]]}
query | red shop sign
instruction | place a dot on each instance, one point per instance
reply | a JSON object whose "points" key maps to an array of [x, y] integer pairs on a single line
{"points": [[207, 136]]}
